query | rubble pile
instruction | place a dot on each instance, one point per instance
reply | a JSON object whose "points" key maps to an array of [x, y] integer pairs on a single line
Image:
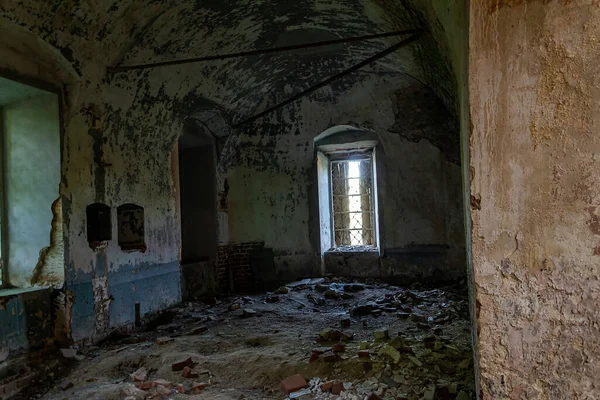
{"points": [[312, 339], [428, 358]]}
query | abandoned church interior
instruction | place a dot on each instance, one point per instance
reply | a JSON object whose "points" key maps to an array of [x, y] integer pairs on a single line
{"points": [[322, 199]]}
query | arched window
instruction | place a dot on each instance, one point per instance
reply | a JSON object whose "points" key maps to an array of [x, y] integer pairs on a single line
{"points": [[347, 189]]}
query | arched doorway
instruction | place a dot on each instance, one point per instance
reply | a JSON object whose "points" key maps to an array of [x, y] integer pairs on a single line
{"points": [[197, 154]]}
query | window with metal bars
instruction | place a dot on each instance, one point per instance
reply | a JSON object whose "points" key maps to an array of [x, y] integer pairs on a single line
{"points": [[352, 201]]}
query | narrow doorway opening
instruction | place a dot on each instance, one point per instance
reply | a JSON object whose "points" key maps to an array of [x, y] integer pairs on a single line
{"points": [[198, 196]]}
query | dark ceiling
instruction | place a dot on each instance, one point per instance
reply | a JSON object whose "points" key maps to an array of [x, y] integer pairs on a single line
{"points": [[95, 34]]}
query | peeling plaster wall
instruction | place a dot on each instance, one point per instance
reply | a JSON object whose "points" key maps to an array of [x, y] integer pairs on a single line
{"points": [[273, 189], [130, 163], [535, 108], [119, 130], [114, 155]]}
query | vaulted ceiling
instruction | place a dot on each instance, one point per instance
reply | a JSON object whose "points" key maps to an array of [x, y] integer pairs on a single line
{"points": [[93, 35]]}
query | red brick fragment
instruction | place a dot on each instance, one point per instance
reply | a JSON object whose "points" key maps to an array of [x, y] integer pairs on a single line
{"points": [[188, 373], [180, 388], [180, 365], [164, 340], [335, 335], [294, 383], [197, 331], [133, 340], [338, 348], [363, 354], [326, 387], [198, 387], [337, 388], [144, 385], [162, 382]]}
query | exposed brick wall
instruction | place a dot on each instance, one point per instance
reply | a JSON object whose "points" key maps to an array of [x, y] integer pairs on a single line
{"points": [[19, 373], [12, 386], [236, 259]]}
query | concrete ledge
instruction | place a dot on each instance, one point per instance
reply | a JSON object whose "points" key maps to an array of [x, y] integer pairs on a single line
{"points": [[18, 291]]}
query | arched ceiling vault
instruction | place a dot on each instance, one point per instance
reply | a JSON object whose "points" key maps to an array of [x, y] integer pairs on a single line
{"points": [[191, 29], [90, 33]]}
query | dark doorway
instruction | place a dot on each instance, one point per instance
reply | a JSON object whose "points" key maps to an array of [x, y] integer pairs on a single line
{"points": [[198, 198]]}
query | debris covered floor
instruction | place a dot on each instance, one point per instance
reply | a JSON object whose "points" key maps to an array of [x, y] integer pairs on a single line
{"points": [[348, 340]]}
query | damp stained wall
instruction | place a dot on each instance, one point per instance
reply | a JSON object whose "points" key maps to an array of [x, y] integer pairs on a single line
{"points": [[119, 130], [32, 167], [273, 187], [535, 109], [25, 320], [108, 158]]}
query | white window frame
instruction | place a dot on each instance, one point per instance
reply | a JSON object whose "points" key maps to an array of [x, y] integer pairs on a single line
{"points": [[346, 156]]}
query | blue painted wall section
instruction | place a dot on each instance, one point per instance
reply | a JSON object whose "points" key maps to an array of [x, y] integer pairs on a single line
{"points": [[154, 286], [133, 120], [83, 317], [26, 322]]}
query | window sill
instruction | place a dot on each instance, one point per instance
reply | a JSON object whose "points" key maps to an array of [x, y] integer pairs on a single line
{"points": [[354, 249], [18, 291]]}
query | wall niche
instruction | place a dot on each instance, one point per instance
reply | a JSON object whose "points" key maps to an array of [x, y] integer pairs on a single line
{"points": [[130, 219], [99, 227]]}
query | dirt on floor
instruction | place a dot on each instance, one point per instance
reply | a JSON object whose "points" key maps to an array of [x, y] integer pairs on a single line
{"points": [[347, 340]]}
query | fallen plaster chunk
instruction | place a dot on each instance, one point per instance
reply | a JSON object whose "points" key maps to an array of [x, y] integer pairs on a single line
{"points": [[248, 312], [301, 394], [381, 334], [140, 375], [416, 361], [391, 352], [69, 353], [429, 393]]}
